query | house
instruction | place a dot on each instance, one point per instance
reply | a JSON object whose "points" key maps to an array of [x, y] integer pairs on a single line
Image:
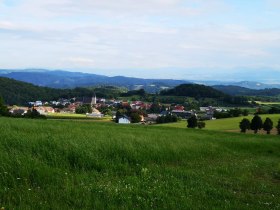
{"points": [[209, 112], [179, 108], [49, 110], [183, 114], [151, 118], [18, 110], [95, 113], [124, 120], [38, 103], [88, 100]]}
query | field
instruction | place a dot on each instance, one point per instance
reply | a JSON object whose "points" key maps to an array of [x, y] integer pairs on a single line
{"points": [[67, 116], [267, 103], [59, 164], [228, 124]]}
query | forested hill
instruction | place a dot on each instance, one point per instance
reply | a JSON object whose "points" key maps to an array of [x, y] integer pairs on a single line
{"points": [[236, 90], [194, 90], [16, 92]]}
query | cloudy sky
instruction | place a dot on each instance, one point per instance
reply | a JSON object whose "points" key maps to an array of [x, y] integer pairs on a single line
{"points": [[144, 38]]}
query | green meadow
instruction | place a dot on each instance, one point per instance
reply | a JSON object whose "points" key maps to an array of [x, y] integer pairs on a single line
{"points": [[227, 124], [59, 164], [74, 116]]}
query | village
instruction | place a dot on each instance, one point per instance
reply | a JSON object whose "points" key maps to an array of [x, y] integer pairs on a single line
{"points": [[113, 110]]}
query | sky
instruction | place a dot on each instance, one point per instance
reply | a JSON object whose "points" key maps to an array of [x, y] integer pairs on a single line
{"points": [[182, 39]]}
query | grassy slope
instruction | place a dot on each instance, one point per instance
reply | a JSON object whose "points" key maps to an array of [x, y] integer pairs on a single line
{"points": [[68, 116], [84, 165], [223, 124]]}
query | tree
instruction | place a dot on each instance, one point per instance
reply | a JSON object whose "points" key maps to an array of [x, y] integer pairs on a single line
{"points": [[192, 122], [201, 124], [135, 117], [244, 125], [256, 123], [235, 112], [33, 113], [245, 112], [268, 125], [278, 127], [83, 109], [3, 109]]}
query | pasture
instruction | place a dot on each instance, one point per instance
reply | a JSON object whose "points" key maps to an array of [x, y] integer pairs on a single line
{"points": [[227, 124], [53, 164]]}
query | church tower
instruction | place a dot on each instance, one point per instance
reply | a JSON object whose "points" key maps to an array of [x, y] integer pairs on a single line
{"points": [[93, 100]]}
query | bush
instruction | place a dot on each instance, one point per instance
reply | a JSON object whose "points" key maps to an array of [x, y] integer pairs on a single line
{"points": [[167, 119], [135, 117], [201, 124]]}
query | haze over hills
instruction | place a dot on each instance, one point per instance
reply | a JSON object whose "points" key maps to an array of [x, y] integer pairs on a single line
{"points": [[66, 79], [242, 91]]}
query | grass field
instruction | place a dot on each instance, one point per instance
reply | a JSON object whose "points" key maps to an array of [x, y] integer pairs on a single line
{"points": [[47, 164], [267, 103], [227, 124], [68, 116]]}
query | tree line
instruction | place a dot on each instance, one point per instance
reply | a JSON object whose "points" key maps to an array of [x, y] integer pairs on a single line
{"points": [[257, 124]]}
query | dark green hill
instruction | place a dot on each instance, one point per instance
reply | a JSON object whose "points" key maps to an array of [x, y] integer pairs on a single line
{"points": [[16, 92], [194, 90], [236, 90], [205, 92]]}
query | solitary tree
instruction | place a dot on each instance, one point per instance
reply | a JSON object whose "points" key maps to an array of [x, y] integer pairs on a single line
{"points": [[278, 127], [3, 108], [244, 125], [256, 123], [135, 117], [268, 125], [201, 124], [192, 122]]}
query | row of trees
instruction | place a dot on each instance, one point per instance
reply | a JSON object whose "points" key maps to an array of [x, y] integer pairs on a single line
{"points": [[257, 124], [167, 119]]}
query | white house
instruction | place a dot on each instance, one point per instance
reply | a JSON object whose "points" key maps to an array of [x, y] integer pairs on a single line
{"points": [[124, 120]]}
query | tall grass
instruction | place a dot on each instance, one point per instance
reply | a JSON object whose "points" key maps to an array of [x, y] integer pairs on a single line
{"points": [[84, 165]]}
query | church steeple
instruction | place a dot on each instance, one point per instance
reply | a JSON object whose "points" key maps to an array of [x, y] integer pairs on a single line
{"points": [[93, 99]]}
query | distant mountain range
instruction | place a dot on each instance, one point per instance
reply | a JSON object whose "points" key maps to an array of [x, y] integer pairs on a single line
{"points": [[66, 79]]}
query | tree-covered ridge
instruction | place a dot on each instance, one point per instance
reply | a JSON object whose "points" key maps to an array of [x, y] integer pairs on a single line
{"points": [[19, 93], [236, 90], [204, 92], [194, 90]]}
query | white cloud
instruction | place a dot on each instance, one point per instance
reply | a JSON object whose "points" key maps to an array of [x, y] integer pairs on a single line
{"points": [[132, 34]]}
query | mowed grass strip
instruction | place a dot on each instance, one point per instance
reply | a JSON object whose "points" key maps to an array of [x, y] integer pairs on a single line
{"points": [[82, 165]]}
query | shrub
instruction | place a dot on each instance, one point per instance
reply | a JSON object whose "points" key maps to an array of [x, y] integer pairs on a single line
{"points": [[201, 124]]}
